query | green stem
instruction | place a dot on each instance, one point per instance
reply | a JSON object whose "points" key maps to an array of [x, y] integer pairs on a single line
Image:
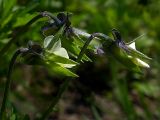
{"points": [[8, 82], [95, 112], [50, 15], [62, 89], [65, 85], [24, 28], [88, 42]]}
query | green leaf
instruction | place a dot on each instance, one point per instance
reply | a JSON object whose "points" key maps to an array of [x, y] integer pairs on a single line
{"points": [[57, 69], [60, 60], [74, 49], [7, 6], [22, 20]]}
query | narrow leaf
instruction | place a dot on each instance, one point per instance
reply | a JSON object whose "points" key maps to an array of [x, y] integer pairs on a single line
{"points": [[57, 69]]}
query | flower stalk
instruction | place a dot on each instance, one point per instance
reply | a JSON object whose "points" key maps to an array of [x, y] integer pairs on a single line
{"points": [[8, 82]]}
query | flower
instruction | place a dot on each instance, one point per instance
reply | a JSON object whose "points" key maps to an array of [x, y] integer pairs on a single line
{"points": [[126, 53], [138, 60]]}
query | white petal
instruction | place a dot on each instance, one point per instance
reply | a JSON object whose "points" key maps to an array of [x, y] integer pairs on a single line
{"points": [[47, 41], [132, 45], [139, 62], [61, 52], [142, 63]]}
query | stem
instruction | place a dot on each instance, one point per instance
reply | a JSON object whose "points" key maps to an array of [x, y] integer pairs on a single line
{"points": [[49, 15], [88, 42], [25, 27], [8, 82], [55, 100], [65, 85], [95, 112]]}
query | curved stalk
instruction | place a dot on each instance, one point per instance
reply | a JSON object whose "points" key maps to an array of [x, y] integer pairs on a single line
{"points": [[25, 27], [50, 15], [65, 85], [89, 41], [8, 82]]}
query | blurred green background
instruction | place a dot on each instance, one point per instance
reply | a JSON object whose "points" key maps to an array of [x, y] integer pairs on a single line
{"points": [[105, 90]]}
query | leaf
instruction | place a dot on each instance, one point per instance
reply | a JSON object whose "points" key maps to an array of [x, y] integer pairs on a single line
{"points": [[22, 20], [57, 69], [74, 50], [7, 6], [60, 60]]}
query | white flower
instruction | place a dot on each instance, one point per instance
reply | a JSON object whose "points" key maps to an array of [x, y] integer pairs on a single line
{"points": [[137, 56]]}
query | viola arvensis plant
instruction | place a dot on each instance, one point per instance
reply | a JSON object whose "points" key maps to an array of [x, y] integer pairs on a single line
{"points": [[126, 53]]}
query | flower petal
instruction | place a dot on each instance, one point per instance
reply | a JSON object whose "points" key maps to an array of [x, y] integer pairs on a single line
{"points": [[139, 62], [142, 63], [132, 45]]}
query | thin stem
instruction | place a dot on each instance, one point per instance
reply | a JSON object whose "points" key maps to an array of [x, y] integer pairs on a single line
{"points": [[25, 27], [50, 15], [88, 42], [8, 82], [65, 85], [62, 89]]}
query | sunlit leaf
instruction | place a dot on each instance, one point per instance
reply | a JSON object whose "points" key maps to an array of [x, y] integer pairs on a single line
{"points": [[74, 49], [59, 59], [57, 69]]}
